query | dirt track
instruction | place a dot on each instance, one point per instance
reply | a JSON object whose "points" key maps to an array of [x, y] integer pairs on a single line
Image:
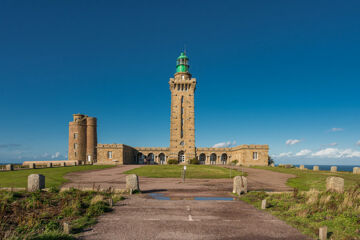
{"points": [[142, 217]]}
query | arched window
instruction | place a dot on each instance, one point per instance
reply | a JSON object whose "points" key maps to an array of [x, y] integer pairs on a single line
{"points": [[213, 158], [162, 158], [224, 158], [202, 158], [181, 156]]}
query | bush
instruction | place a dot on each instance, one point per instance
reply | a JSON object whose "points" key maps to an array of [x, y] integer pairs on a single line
{"points": [[234, 162], [97, 209], [173, 161], [194, 161]]}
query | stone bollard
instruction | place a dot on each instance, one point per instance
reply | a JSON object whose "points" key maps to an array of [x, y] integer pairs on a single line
{"points": [[62, 164], [302, 167], [335, 184], [240, 185], [132, 182], [9, 167], [49, 165], [32, 165], [316, 168], [356, 170], [111, 202], [36, 182], [333, 169], [67, 228], [263, 204], [323, 233]]}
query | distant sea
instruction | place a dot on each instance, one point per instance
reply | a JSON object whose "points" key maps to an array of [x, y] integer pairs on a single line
{"points": [[342, 168]]}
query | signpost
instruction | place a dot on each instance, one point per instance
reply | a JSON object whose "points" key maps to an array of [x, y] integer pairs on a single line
{"points": [[184, 173]]}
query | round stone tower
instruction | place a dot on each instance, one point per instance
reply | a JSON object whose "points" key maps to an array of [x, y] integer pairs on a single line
{"points": [[82, 139], [91, 139]]}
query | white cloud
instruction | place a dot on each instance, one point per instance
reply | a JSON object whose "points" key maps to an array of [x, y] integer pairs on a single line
{"points": [[303, 152], [56, 155], [224, 144], [333, 144], [358, 143], [336, 129], [336, 153], [292, 141], [285, 154]]}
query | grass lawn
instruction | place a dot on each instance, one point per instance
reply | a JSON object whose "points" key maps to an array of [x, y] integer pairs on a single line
{"points": [[54, 177], [308, 179], [192, 171]]}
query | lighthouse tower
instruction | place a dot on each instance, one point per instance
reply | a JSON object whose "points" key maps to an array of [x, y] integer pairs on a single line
{"points": [[182, 120]]}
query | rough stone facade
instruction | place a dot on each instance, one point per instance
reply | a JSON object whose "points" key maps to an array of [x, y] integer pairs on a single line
{"points": [[82, 134], [82, 139]]}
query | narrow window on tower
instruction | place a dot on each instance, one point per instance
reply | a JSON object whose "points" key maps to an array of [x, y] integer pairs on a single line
{"points": [[75, 135], [182, 118], [75, 145], [109, 154]]}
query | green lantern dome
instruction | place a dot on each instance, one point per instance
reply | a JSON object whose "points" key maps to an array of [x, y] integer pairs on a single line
{"points": [[182, 63]]}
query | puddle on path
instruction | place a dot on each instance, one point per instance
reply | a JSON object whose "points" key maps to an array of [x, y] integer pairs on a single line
{"points": [[160, 196]]}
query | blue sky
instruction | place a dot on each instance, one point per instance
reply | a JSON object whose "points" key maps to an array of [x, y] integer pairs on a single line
{"points": [[283, 73]]}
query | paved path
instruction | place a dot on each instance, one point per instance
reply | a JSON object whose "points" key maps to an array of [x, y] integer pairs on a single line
{"points": [[142, 217], [258, 179]]}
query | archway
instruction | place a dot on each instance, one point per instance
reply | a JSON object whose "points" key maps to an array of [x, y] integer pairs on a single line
{"points": [[213, 158], [181, 157], [150, 158], [162, 158], [140, 158], [224, 158], [202, 158]]}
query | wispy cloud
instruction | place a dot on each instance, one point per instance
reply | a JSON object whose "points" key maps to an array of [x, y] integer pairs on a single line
{"points": [[336, 129], [292, 141], [284, 154], [336, 153], [224, 144], [56, 155], [333, 144], [304, 152], [358, 143], [10, 145]]}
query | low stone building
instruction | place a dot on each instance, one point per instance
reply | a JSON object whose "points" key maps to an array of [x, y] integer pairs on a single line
{"points": [[83, 135]]}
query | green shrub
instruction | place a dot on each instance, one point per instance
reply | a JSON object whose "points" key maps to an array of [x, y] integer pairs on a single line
{"points": [[54, 189], [97, 209], [194, 161], [173, 161], [234, 162]]}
